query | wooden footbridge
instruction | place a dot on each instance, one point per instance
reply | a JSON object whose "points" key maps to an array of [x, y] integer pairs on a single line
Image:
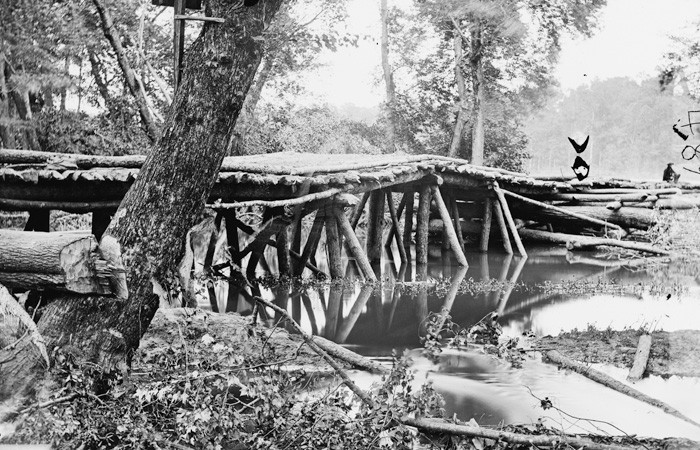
{"points": [[292, 185]]}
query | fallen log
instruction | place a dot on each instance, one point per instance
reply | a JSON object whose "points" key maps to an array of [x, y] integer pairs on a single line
{"points": [[583, 242], [23, 355], [595, 197], [545, 206], [70, 261], [641, 357], [569, 215], [441, 426], [606, 380], [355, 360]]}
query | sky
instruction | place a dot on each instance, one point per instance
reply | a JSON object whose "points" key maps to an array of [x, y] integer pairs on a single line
{"points": [[630, 41]]}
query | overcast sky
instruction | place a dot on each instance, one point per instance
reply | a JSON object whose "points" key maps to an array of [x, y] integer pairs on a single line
{"points": [[631, 38]]}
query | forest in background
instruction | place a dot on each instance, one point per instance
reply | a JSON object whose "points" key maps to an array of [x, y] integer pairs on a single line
{"points": [[449, 68]]}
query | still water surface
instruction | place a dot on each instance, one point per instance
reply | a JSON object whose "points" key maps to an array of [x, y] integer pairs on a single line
{"points": [[475, 385]]}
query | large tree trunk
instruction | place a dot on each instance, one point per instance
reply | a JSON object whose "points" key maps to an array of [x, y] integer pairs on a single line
{"points": [[388, 81], [169, 195], [461, 119], [477, 66]]}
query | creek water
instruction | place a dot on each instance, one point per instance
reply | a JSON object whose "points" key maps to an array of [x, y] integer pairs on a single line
{"points": [[475, 385]]}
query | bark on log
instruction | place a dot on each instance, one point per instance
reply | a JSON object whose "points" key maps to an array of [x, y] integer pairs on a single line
{"points": [[422, 224], [408, 223], [498, 212], [625, 217], [443, 427], [486, 226], [375, 227], [556, 208], [354, 245], [70, 262], [335, 262], [640, 358], [348, 356], [23, 355], [582, 242], [606, 380]]}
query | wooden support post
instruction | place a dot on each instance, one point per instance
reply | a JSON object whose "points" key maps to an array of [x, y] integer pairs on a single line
{"points": [[295, 245], [408, 223], [449, 229], [395, 225], [100, 221], [335, 263], [311, 242], [257, 247], [178, 43], [354, 245], [38, 220], [357, 213], [486, 226], [283, 259], [455, 218], [423, 219], [334, 310], [232, 236], [509, 219], [392, 231], [375, 227], [502, 226]]}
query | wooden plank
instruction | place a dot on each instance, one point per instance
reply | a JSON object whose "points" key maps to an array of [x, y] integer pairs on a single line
{"points": [[641, 357]]}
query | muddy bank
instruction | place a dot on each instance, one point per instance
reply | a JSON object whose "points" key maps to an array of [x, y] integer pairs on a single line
{"points": [[672, 353]]}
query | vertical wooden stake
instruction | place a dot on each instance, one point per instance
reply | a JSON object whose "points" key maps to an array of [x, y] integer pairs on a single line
{"points": [[354, 245], [486, 226], [357, 213], [422, 224], [178, 43], [455, 218], [395, 225], [408, 223], [374, 227], [335, 263], [509, 219], [232, 236], [311, 243], [502, 226], [283, 259], [449, 229]]}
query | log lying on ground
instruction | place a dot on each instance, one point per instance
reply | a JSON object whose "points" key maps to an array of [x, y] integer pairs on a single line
{"points": [[641, 357], [583, 242], [625, 217], [348, 356], [71, 261], [606, 380], [23, 355], [443, 427]]}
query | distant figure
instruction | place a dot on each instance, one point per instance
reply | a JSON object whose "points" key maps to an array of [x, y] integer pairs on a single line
{"points": [[670, 175]]}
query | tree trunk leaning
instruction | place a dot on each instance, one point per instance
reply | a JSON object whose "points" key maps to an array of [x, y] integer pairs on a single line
{"points": [[173, 185], [606, 380]]}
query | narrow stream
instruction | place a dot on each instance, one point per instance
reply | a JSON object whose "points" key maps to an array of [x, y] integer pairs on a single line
{"points": [[475, 385]]}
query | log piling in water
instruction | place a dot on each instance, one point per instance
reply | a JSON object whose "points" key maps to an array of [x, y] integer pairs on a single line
{"points": [[409, 198], [498, 213], [486, 225], [422, 224], [335, 262], [354, 245], [375, 222], [447, 224]]}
